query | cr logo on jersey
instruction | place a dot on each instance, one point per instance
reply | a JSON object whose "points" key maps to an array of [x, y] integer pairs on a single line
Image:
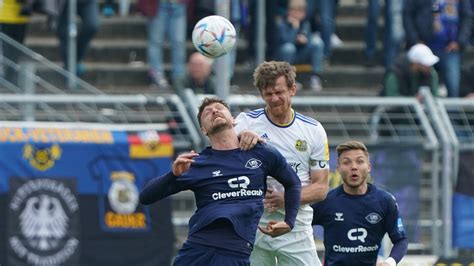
{"points": [[241, 181], [357, 234], [301, 145]]}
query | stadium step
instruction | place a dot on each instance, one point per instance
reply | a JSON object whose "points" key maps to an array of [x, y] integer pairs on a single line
{"points": [[117, 55]]}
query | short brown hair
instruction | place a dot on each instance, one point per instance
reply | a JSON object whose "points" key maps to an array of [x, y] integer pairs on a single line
{"points": [[208, 101], [351, 145], [268, 72]]}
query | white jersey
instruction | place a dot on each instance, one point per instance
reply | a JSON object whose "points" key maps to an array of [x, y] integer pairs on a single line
{"points": [[303, 142]]}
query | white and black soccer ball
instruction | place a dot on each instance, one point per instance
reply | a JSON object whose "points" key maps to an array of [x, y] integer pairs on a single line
{"points": [[214, 36]]}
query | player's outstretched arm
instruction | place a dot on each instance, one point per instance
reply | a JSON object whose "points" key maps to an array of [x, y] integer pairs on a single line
{"points": [[163, 186], [275, 228]]}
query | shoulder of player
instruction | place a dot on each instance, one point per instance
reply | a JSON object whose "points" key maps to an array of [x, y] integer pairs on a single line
{"points": [[265, 151], [306, 120], [255, 113], [381, 193]]}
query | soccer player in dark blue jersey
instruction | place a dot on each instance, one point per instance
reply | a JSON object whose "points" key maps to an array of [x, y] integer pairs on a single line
{"points": [[356, 215], [229, 186]]}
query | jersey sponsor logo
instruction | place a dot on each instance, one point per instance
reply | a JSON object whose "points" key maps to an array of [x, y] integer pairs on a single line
{"points": [[216, 173], [339, 216], [355, 234], [373, 218], [301, 145], [253, 163], [239, 182], [236, 194], [358, 249]]}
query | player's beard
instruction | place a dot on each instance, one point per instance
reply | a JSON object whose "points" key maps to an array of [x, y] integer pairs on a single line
{"points": [[219, 127]]}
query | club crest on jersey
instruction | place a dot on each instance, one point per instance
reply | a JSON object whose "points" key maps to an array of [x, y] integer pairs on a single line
{"points": [[253, 163], [301, 145], [373, 218]]}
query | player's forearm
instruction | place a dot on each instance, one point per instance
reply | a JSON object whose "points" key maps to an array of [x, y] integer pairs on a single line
{"points": [[314, 193], [157, 189], [399, 249], [292, 202]]}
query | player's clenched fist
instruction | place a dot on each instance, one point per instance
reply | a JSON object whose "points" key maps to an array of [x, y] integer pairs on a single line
{"points": [[183, 162], [275, 228]]}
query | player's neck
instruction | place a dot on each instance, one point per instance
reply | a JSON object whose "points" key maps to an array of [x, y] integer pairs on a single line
{"points": [[224, 140], [360, 190], [282, 119]]}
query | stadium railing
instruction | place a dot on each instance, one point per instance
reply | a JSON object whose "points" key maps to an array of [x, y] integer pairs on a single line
{"points": [[457, 117]]}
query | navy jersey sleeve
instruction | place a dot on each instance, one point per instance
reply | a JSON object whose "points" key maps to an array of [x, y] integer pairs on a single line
{"points": [[317, 210], [395, 229], [159, 188], [281, 171]]}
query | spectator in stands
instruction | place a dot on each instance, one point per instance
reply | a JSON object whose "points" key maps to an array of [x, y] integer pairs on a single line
{"points": [[444, 26], [13, 22], [296, 44], [393, 34], [326, 13], [108, 9], [467, 81], [472, 23], [88, 11], [167, 18], [199, 77], [411, 71]]}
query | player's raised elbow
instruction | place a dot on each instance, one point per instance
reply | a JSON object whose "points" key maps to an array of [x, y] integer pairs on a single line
{"points": [[144, 198]]}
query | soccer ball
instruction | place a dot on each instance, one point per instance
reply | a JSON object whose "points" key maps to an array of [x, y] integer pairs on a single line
{"points": [[214, 36]]}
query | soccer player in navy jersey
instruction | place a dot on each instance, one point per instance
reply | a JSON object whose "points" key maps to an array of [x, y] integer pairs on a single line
{"points": [[356, 215], [229, 186]]}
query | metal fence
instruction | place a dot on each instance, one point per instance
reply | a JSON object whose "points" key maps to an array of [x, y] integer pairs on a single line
{"points": [[126, 112]]}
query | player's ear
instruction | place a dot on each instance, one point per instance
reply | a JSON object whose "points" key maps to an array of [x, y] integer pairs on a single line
{"points": [[370, 167], [203, 131], [293, 89]]}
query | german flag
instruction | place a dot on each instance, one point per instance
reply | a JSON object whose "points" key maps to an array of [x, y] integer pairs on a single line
{"points": [[142, 146]]}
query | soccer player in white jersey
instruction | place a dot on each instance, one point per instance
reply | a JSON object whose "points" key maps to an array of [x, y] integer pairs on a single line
{"points": [[303, 142]]}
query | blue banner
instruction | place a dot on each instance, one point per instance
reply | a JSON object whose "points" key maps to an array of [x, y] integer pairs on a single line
{"points": [[70, 197]]}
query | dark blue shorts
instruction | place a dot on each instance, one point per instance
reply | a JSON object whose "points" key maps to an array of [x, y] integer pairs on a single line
{"points": [[197, 255]]}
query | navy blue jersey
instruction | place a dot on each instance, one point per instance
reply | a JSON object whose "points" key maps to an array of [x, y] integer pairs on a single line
{"points": [[354, 225], [230, 185]]}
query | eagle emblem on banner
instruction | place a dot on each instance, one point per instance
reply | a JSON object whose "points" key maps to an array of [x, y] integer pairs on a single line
{"points": [[43, 222], [42, 159]]}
